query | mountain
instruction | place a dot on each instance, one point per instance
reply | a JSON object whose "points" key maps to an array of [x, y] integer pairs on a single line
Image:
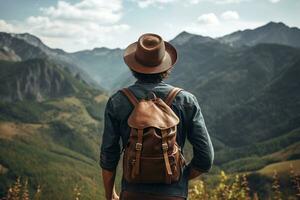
{"points": [[185, 37], [27, 46], [35, 79], [275, 33], [117, 75], [225, 78], [271, 107], [50, 126], [104, 65]]}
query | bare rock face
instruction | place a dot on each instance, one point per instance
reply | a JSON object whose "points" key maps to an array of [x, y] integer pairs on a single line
{"points": [[34, 80], [8, 54]]}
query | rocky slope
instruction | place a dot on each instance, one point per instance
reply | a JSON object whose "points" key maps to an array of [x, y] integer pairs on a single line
{"points": [[36, 80], [8, 55]]}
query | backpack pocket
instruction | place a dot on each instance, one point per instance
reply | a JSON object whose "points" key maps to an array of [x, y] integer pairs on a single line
{"points": [[152, 169]]}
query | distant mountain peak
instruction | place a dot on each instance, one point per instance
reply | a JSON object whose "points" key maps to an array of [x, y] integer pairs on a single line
{"points": [[276, 24], [184, 33], [29, 38], [185, 37], [272, 32], [101, 49]]}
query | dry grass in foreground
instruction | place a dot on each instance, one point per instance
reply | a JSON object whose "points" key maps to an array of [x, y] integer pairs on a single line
{"points": [[238, 189], [225, 190]]}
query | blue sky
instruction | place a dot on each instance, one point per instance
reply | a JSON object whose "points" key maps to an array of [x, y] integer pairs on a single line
{"points": [[75, 25]]}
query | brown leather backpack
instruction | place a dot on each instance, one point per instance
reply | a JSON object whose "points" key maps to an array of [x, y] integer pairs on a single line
{"points": [[152, 154]]}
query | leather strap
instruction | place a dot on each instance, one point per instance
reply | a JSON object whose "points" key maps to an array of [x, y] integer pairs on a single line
{"points": [[138, 148], [166, 157], [130, 96], [171, 96]]}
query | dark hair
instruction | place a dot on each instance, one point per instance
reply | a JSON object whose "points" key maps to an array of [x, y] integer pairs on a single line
{"points": [[151, 78]]}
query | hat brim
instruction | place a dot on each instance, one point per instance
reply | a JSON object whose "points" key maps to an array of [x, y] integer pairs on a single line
{"points": [[168, 61]]}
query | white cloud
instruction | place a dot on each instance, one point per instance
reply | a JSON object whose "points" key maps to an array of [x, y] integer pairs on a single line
{"points": [[6, 27], [222, 28], [160, 3], [208, 19], [216, 1], [147, 3], [87, 10], [227, 1], [230, 15], [86, 24], [214, 25], [274, 1]]}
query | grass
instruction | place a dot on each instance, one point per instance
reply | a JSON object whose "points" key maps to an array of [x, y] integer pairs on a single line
{"points": [[54, 144], [227, 187], [55, 168], [243, 187], [281, 167], [258, 149]]}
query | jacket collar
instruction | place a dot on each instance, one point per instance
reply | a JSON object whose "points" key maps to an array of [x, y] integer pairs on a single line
{"points": [[144, 83]]}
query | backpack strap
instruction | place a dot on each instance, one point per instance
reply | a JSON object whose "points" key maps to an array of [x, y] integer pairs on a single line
{"points": [[171, 96], [138, 149], [130, 96], [164, 135]]}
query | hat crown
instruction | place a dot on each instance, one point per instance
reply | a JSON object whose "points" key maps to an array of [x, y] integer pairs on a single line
{"points": [[150, 50]]}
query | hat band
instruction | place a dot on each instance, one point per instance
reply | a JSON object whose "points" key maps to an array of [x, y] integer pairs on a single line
{"points": [[149, 63]]}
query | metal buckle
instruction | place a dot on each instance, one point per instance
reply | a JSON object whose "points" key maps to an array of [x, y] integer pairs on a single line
{"points": [[165, 146], [138, 146]]}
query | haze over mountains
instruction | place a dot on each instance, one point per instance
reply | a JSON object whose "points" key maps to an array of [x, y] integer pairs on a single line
{"points": [[247, 84]]}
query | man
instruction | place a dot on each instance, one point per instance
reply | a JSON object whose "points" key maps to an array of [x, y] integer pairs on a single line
{"points": [[150, 59]]}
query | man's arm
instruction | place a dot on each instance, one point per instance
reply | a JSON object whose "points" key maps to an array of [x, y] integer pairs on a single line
{"points": [[203, 153], [194, 173], [110, 151], [109, 184]]}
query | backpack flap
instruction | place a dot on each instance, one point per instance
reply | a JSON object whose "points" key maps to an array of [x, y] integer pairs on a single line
{"points": [[152, 113]]}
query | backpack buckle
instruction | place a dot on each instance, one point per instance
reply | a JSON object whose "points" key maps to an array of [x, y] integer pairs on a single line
{"points": [[138, 146], [165, 147]]}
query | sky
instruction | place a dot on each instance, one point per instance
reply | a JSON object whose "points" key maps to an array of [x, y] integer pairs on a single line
{"points": [[75, 25]]}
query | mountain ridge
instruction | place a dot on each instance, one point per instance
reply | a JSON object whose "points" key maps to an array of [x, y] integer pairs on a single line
{"points": [[272, 32], [106, 65]]}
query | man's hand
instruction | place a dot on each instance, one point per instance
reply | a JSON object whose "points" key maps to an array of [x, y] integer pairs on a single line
{"points": [[194, 173], [109, 184], [114, 195]]}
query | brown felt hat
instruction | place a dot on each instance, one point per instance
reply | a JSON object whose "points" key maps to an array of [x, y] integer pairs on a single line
{"points": [[150, 55]]}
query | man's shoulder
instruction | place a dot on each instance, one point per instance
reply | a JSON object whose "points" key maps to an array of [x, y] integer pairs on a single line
{"points": [[184, 97], [117, 97]]}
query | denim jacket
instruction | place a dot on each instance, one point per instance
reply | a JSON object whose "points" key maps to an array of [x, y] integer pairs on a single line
{"points": [[191, 126]]}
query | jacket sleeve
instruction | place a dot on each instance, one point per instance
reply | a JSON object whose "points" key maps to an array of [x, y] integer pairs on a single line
{"points": [[110, 147], [203, 153]]}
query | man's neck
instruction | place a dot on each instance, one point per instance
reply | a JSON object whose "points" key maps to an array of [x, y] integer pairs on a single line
{"points": [[146, 83]]}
